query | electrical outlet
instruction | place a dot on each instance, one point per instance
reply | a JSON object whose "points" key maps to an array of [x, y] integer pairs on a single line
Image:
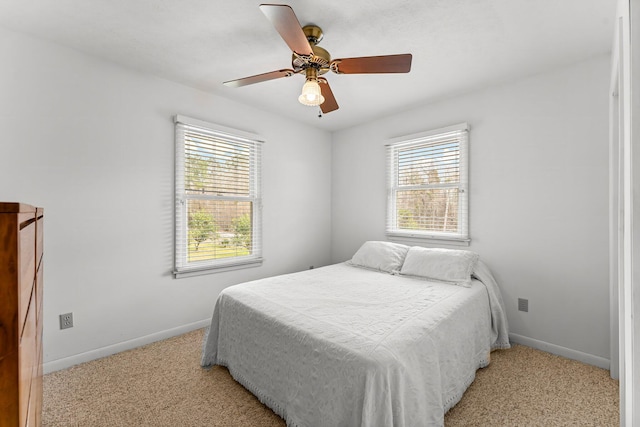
{"points": [[66, 321], [523, 304]]}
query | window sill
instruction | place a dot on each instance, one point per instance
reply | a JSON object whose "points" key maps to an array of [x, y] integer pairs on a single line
{"points": [[216, 269], [435, 240]]}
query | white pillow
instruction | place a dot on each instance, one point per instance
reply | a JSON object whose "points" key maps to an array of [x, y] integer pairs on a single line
{"points": [[382, 256], [442, 265]]}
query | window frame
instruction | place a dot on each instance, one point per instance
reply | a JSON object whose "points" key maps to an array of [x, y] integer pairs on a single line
{"points": [[393, 232], [182, 266]]}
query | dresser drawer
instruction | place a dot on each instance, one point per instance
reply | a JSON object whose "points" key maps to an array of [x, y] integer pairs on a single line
{"points": [[39, 237], [38, 292], [36, 391], [28, 359], [27, 268]]}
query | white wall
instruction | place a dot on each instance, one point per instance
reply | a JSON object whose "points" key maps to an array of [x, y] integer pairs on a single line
{"points": [[93, 143], [538, 197]]}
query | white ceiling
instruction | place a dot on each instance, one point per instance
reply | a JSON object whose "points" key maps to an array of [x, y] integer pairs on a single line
{"points": [[457, 45]]}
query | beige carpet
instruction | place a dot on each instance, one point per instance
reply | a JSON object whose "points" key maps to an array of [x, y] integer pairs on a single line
{"points": [[162, 384]]}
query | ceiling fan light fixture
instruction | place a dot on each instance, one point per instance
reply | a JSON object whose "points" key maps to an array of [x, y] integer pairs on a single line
{"points": [[315, 61], [311, 94]]}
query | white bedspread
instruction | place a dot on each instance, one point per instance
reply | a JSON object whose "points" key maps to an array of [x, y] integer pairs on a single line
{"points": [[345, 346]]}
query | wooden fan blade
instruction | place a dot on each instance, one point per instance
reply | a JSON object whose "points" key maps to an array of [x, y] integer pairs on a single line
{"points": [[259, 78], [329, 103], [373, 64], [284, 19]]}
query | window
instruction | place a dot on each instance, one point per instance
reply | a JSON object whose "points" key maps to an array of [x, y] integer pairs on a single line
{"points": [[428, 185], [218, 201]]}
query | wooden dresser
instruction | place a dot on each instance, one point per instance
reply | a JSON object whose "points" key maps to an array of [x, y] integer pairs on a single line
{"points": [[21, 235]]}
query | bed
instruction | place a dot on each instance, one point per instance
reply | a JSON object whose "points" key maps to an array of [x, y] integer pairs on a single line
{"points": [[359, 343]]}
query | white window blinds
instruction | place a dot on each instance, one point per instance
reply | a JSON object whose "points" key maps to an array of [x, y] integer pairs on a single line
{"points": [[427, 177], [218, 200]]}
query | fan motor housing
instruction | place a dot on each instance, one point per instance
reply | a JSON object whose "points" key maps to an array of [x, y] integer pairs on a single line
{"points": [[320, 59]]}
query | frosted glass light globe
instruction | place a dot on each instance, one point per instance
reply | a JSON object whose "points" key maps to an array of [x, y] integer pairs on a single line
{"points": [[311, 94]]}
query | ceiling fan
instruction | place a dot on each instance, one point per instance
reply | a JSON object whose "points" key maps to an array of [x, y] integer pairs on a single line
{"points": [[314, 61]]}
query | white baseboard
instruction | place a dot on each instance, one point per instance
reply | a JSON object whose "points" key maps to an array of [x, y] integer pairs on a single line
{"points": [[587, 358], [66, 362]]}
